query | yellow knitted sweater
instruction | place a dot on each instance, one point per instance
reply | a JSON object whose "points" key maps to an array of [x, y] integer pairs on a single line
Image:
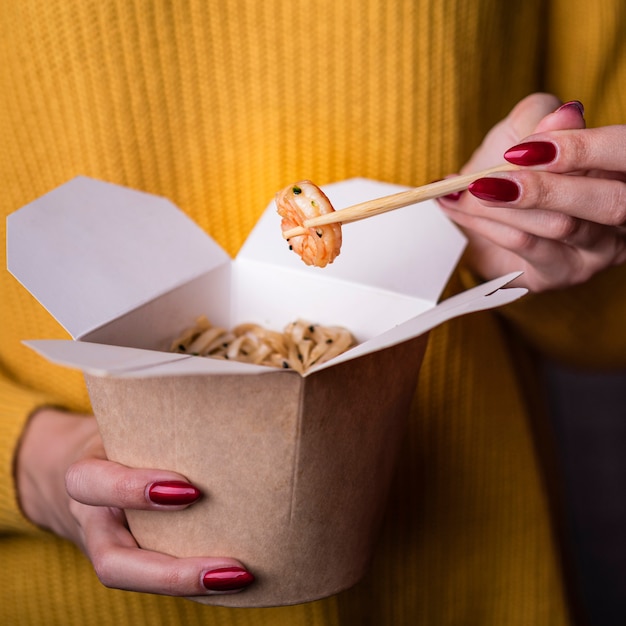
{"points": [[216, 105]]}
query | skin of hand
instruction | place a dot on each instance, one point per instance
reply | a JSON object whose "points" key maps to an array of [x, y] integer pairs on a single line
{"points": [[66, 485], [560, 220]]}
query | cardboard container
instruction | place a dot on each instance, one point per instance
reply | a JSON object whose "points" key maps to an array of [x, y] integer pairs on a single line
{"points": [[295, 469]]}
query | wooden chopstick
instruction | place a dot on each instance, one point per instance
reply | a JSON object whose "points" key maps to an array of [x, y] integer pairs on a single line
{"points": [[397, 200]]}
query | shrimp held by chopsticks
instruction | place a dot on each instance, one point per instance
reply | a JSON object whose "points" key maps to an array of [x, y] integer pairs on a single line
{"points": [[313, 228], [320, 245]]}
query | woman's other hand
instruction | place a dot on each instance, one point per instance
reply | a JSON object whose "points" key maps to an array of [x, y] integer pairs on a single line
{"points": [[561, 217], [66, 485]]}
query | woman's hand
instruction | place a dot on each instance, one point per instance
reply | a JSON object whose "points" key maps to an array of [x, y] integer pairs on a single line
{"points": [[561, 217], [66, 485]]}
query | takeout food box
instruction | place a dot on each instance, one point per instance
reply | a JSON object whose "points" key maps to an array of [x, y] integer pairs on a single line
{"points": [[295, 469]]}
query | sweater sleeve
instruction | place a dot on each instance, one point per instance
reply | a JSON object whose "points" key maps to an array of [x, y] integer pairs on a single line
{"points": [[17, 403], [582, 326]]}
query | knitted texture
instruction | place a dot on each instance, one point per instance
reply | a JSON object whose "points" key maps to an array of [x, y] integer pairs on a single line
{"points": [[216, 105]]}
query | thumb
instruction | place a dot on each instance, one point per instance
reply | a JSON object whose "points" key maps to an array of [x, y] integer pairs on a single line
{"points": [[536, 113], [569, 116], [522, 120]]}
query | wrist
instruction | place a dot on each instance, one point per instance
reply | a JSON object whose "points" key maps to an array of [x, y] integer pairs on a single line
{"points": [[51, 441]]}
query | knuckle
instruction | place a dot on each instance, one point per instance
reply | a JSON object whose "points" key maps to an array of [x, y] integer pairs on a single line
{"points": [[537, 190], [75, 479], [583, 274], [616, 210], [610, 206], [173, 582], [521, 241], [575, 149], [563, 227], [105, 569], [124, 491]]}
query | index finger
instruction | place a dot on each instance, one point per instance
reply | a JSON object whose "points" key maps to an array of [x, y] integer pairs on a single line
{"points": [[100, 482]]}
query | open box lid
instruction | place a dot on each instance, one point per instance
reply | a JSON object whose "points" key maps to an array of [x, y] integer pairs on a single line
{"points": [[93, 252], [412, 251], [90, 251]]}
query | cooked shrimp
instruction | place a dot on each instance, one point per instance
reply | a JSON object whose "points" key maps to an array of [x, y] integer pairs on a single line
{"points": [[321, 245]]}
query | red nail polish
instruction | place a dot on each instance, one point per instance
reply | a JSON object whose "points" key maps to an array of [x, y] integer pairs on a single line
{"points": [[453, 196], [227, 579], [573, 104], [495, 189], [531, 153], [173, 492]]}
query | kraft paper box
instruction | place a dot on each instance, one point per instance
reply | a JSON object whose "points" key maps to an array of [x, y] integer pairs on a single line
{"points": [[295, 469]]}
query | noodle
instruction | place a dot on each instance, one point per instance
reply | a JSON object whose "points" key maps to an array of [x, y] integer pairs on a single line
{"points": [[300, 346]]}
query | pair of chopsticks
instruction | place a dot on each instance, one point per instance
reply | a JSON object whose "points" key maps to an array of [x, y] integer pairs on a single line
{"points": [[397, 200]]}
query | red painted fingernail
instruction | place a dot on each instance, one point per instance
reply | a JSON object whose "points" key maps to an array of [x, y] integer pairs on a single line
{"points": [[495, 189], [531, 153], [573, 104], [227, 579], [173, 492]]}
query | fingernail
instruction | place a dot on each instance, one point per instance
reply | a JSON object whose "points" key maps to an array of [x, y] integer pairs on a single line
{"points": [[531, 153], [573, 104], [227, 579], [173, 492], [495, 189]]}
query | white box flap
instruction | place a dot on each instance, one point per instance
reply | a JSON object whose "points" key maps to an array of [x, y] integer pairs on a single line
{"points": [[103, 360], [91, 251], [411, 251]]}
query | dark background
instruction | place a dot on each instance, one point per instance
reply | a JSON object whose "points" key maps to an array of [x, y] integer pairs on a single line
{"points": [[588, 419]]}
